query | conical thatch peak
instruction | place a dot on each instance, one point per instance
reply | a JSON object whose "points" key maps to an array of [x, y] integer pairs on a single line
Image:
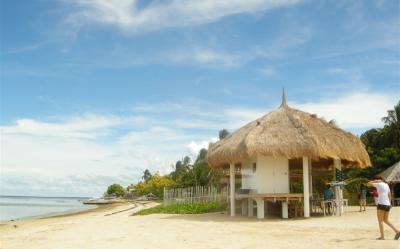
{"points": [[283, 104], [287, 132]]}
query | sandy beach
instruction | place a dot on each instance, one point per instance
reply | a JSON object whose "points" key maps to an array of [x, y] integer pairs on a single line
{"points": [[117, 228]]}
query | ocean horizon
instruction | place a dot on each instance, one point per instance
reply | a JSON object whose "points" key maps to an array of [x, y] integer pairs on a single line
{"points": [[17, 207]]}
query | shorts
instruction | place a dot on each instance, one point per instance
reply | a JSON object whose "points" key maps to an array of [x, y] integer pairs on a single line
{"points": [[363, 202], [385, 208]]}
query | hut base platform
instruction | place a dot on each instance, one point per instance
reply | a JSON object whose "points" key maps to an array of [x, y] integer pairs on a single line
{"points": [[290, 204]]}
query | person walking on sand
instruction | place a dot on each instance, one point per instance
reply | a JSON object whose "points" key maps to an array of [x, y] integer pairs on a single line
{"points": [[383, 207], [362, 196]]}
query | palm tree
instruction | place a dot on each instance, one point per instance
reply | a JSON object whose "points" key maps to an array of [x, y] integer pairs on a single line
{"points": [[392, 121], [146, 175], [223, 134]]}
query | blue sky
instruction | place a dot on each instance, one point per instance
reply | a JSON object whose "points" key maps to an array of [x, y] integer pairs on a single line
{"points": [[93, 92]]}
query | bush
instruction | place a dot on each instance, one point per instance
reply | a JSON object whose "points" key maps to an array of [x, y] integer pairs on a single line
{"points": [[155, 185], [186, 208]]}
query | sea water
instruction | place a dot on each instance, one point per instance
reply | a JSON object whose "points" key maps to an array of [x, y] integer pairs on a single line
{"points": [[16, 207]]}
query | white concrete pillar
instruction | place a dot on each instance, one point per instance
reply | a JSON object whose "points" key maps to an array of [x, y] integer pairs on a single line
{"points": [[250, 208], [306, 187], [285, 212], [260, 208], [244, 207], [232, 187], [310, 176]]}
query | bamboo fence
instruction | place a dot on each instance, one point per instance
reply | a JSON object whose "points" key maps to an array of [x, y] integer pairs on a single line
{"points": [[196, 194]]}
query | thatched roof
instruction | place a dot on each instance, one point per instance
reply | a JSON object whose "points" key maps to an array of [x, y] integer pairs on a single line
{"points": [[391, 174], [290, 133]]}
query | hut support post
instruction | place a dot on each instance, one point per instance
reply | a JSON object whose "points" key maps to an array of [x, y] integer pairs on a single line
{"points": [[260, 208], [285, 213], [232, 188], [310, 177], [244, 207], [338, 189], [250, 208], [306, 188]]}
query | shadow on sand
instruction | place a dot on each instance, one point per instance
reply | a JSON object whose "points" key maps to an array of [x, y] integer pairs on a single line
{"points": [[224, 217]]}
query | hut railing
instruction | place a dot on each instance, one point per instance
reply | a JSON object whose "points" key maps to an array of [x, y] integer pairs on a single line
{"points": [[196, 194]]}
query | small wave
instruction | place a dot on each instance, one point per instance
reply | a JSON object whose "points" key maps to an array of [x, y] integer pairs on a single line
{"points": [[36, 205]]}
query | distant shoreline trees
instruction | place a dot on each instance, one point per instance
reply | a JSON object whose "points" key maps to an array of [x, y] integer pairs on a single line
{"points": [[115, 190]]}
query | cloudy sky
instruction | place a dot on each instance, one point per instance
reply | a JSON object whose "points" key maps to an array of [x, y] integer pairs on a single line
{"points": [[95, 91]]}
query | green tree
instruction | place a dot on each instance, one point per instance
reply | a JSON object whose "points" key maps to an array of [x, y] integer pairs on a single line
{"points": [[392, 122], [382, 144], [223, 134], [155, 185], [116, 189], [146, 175], [202, 155], [186, 161]]}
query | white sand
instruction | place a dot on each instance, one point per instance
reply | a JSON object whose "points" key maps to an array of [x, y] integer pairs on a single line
{"points": [[120, 231]]}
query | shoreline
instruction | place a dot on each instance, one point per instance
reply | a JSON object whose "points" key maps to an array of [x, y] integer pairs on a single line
{"points": [[67, 213]]}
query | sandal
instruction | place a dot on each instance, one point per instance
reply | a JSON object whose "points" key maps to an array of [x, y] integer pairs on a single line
{"points": [[380, 238]]}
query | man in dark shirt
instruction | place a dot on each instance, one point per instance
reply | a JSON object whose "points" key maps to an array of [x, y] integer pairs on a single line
{"points": [[328, 195]]}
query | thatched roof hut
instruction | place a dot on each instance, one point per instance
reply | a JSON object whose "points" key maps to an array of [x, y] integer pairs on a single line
{"points": [[290, 133], [264, 147], [391, 174]]}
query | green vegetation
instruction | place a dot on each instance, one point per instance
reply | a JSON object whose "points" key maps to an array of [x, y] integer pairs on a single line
{"points": [[383, 147], [116, 190], [382, 144], [197, 174], [146, 175], [185, 208], [155, 184], [184, 175]]}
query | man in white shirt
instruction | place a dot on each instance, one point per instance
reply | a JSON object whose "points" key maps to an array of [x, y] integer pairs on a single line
{"points": [[383, 207]]}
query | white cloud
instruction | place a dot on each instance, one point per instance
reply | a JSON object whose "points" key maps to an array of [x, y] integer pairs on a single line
{"points": [[77, 146], [204, 56], [194, 147], [55, 156], [27, 48], [353, 111], [42, 184], [162, 14], [88, 126]]}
